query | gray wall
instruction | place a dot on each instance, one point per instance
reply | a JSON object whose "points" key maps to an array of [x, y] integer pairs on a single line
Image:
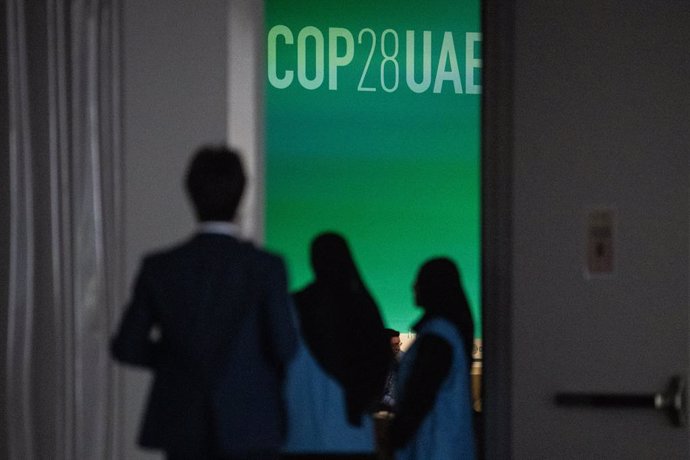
{"points": [[601, 110], [175, 98]]}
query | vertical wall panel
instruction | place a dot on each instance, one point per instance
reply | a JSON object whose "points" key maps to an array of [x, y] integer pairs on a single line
{"points": [[246, 49], [4, 215]]}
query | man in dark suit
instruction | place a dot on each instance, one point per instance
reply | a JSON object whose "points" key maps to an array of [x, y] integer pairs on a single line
{"points": [[211, 318]]}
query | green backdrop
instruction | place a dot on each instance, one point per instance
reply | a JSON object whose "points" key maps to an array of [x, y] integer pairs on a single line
{"points": [[372, 130]]}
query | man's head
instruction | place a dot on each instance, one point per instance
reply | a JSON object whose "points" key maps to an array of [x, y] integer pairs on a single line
{"points": [[394, 337], [215, 182]]}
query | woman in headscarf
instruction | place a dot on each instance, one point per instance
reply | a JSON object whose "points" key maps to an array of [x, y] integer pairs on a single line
{"points": [[340, 370], [434, 418]]}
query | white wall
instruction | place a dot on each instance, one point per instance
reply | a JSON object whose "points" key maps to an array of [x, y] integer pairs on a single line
{"points": [[175, 98]]}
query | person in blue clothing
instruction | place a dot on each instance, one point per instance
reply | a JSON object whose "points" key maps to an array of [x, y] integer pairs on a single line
{"points": [[434, 412], [338, 374]]}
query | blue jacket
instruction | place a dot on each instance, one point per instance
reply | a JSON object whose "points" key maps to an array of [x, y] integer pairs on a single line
{"points": [[316, 412], [446, 432]]}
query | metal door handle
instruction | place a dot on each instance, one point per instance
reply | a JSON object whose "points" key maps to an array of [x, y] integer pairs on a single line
{"points": [[672, 401]]}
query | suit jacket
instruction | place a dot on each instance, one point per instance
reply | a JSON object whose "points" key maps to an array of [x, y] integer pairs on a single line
{"points": [[211, 318]]}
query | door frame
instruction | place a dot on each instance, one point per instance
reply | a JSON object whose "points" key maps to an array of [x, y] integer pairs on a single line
{"points": [[496, 222], [497, 24]]}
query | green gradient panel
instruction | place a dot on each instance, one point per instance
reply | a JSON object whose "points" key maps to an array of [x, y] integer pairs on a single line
{"points": [[353, 146]]}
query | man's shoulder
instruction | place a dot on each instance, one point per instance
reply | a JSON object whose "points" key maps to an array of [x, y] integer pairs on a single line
{"points": [[267, 258], [172, 250], [196, 247], [266, 253]]}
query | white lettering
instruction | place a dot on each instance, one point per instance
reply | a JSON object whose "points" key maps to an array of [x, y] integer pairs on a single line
{"points": [[448, 56], [426, 62], [472, 62], [372, 50], [317, 36], [273, 78], [335, 61]]}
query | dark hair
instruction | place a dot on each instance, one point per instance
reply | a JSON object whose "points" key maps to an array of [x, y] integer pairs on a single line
{"points": [[392, 332], [440, 292], [215, 182], [333, 264]]}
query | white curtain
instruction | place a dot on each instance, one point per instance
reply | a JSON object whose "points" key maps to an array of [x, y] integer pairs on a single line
{"points": [[62, 230]]}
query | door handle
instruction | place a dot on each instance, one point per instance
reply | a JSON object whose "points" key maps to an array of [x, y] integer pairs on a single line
{"points": [[673, 400]]}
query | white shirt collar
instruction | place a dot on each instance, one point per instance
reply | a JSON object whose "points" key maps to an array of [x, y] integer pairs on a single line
{"points": [[219, 227]]}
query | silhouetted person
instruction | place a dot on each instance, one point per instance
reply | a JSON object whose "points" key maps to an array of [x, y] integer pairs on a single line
{"points": [[211, 317], [338, 375], [434, 416], [389, 390]]}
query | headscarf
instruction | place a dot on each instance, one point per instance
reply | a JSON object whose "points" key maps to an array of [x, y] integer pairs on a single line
{"points": [[341, 325], [439, 292]]}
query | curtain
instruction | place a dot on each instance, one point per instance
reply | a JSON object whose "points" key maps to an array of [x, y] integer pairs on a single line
{"points": [[63, 227]]}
